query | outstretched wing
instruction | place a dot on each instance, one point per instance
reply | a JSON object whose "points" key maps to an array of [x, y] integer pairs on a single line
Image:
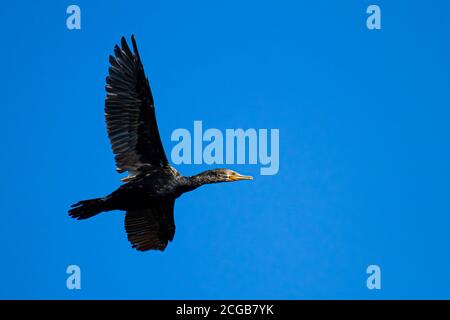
{"points": [[151, 228], [130, 113]]}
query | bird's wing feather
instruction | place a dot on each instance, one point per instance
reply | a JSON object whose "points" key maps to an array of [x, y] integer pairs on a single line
{"points": [[151, 228], [130, 113]]}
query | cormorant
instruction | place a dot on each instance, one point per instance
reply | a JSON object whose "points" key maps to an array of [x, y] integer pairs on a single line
{"points": [[152, 185]]}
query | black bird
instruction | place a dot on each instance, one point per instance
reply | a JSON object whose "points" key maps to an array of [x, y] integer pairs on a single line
{"points": [[152, 185]]}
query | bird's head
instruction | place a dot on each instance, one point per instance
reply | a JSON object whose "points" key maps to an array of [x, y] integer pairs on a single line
{"points": [[217, 175], [226, 175]]}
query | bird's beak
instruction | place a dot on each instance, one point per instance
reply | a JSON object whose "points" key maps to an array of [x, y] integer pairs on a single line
{"points": [[238, 177]]}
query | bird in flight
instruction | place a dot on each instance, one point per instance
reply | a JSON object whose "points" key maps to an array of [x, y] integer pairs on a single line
{"points": [[152, 185]]}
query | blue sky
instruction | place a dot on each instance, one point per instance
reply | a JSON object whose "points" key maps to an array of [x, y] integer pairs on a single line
{"points": [[364, 149]]}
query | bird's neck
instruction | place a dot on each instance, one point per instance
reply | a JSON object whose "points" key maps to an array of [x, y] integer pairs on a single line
{"points": [[193, 182]]}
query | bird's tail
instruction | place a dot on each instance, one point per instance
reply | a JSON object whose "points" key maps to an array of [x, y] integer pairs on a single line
{"points": [[87, 208]]}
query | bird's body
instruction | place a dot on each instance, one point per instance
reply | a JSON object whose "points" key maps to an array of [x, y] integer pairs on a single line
{"points": [[146, 187], [149, 192]]}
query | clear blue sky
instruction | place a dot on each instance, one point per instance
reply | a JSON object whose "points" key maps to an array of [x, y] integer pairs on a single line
{"points": [[364, 148]]}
